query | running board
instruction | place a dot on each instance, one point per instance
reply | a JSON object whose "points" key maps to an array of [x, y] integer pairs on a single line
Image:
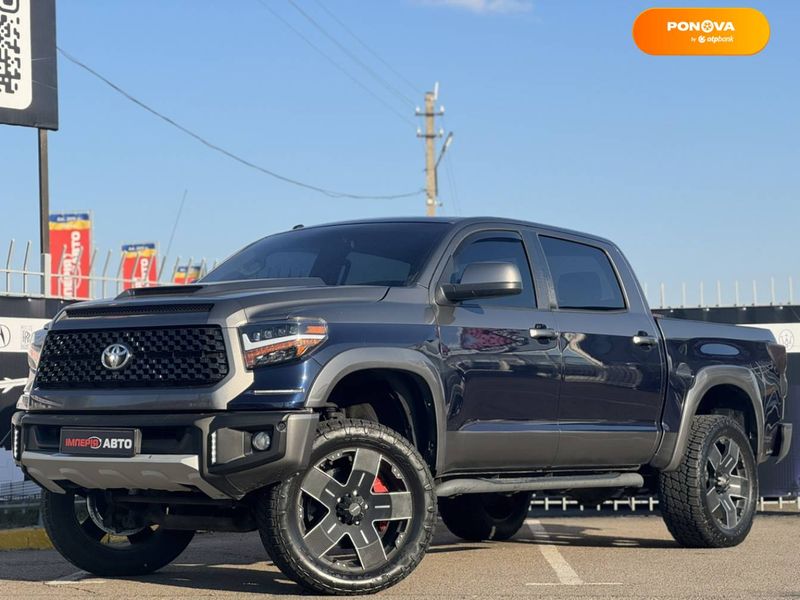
{"points": [[454, 487]]}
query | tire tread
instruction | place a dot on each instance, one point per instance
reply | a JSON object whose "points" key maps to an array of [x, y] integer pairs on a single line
{"points": [[681, 491]]}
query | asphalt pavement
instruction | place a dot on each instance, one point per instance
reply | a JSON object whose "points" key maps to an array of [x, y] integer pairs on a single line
{"points": [[553, 557]]}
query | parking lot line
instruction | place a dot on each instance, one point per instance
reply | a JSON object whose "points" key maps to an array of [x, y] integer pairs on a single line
{"points": [[74, 578], [564, 572]]}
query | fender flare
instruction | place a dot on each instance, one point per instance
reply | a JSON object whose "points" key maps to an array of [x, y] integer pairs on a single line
{"points": [[705, 379], [396, 359]]}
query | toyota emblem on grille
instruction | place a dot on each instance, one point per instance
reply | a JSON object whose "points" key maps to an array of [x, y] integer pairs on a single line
{"points": [[116, 356]]}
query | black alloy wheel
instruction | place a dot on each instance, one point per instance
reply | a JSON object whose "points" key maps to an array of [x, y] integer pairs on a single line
{"points": [[358, 519]]}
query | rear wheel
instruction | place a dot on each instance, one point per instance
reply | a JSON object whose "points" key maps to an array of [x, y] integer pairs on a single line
{"points": [[485, 516], [710, 500], [358, 519], [108, 540]]}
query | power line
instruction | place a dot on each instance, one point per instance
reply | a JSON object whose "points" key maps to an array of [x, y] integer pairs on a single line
{"points": [[449, 168], [451, 180], [339, 67], [177, 219], [368, 48], [228, 153], [376, 76]]}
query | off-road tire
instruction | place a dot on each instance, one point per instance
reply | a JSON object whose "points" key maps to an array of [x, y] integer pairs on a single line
{"points": [[279, 517], [478, 517], [682, 493], [80, 542]]}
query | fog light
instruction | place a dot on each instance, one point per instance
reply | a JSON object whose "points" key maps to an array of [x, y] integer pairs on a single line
{"points": [[261, 441], [17, 447], [214, 448]]}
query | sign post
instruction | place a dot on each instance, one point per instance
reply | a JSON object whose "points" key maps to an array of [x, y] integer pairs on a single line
{"points": [[44, 208]]}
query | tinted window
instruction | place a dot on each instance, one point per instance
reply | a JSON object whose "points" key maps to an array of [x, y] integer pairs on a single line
{"points": [[496, 249], [358, 254], [583, 276]]}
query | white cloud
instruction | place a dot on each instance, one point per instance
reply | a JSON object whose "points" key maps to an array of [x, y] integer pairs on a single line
{"points": [[486, 6]]}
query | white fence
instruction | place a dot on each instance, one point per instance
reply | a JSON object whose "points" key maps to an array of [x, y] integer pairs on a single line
{"points": [[771, 292], [24, 273], [644, 504]]}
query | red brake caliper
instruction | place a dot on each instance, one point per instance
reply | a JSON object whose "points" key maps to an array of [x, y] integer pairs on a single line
{"points": [[380, 488]]}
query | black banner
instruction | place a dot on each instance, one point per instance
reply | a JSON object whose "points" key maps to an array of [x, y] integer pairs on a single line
{"points": [[28, 74]]}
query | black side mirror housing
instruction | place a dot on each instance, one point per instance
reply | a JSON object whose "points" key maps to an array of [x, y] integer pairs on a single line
{"points": [[484, 280]]}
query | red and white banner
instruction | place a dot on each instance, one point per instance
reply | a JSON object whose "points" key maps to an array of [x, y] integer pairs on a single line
{"points": [[70, 250], [139, 265]]}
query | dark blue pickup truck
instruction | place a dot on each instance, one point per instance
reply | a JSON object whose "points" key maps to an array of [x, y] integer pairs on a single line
{"points": [[333, 386]]}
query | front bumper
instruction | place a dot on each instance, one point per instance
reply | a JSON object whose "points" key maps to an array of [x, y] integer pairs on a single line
{"points": [[206, 452]]}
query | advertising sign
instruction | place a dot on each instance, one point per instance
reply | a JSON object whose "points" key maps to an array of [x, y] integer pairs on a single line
{"points": [[71, 249], [139, 265], [28, 82], [188, 274]]}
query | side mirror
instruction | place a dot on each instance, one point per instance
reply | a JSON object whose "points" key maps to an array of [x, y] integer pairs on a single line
{"points": [[484, 280]]}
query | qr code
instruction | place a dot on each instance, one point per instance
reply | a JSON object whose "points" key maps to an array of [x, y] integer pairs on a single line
{"points": [[15, 54]]}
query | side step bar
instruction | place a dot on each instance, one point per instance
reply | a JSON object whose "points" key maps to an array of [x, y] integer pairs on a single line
{"points": [[454, 487]]}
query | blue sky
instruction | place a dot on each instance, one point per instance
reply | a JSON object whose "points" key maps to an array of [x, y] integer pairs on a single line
{"points": [[689, 163]]}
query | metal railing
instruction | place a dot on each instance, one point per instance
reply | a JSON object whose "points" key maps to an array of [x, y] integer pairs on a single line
{"points": [[790, 503], [780, 293], [21, 278], [19, 492], [25, 280]]}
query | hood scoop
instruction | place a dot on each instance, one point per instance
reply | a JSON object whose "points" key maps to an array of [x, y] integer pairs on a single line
{"points": [[127, 310], [222, 287]]}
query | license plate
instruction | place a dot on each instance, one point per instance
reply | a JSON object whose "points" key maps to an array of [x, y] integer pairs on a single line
{"points": [[100, 442]]}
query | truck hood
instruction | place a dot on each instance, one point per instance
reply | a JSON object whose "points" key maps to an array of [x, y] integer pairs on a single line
{"points": [[251, 300]]}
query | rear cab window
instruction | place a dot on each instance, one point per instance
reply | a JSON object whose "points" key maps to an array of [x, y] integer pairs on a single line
{"points": [[583, 276]]}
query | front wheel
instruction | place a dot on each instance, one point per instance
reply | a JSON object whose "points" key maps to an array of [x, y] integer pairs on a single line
{"points": [[478, 517], [81, 530], [710, 500], [358, 519]]}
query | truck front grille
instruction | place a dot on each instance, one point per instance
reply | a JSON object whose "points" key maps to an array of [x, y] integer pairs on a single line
{"points": [[163, 357]]}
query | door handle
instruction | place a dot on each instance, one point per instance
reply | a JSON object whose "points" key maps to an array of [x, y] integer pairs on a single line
{"points": [[644, 339], [541, 332]]}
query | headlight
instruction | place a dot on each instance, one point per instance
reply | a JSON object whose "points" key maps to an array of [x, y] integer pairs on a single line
{"points": [[277, 342], [35, 347]]}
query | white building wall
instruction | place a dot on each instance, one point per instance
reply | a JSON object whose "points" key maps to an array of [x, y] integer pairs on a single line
{"points": [[8, 470]]}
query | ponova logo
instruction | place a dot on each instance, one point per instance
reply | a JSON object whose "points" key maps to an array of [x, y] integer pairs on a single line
{"points": [[701, 31], [706, 26]]}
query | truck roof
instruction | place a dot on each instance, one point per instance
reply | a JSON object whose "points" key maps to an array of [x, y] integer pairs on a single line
{"points": [[464, 221]]}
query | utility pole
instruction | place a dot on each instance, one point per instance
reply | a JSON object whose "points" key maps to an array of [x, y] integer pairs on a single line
{"points": [[430, 135]]}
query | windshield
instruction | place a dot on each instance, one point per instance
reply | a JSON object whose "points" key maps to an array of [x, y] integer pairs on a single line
{"points": [[389, 254]]}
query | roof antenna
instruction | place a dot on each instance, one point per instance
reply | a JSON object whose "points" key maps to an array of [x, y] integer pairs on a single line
{"points": [[300, 226]]}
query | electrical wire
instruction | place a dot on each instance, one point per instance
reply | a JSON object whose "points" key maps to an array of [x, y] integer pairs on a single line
{"points": [[177, 220], [451, 183], [376, 76], [339, 67], [451, 177], [364, 45], [228, 153]]}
